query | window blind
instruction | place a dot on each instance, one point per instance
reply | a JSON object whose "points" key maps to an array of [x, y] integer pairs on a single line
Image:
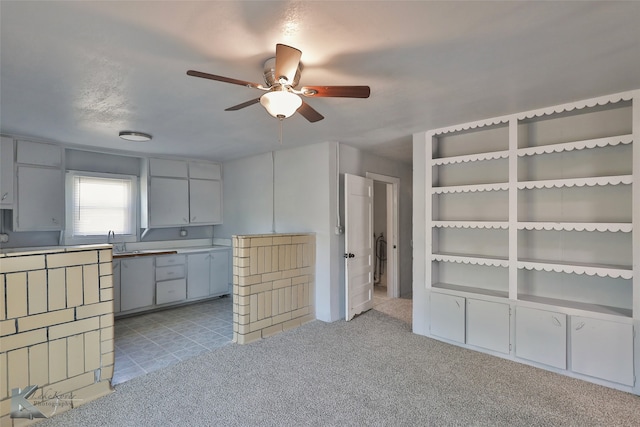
{"points": [[101, 205]]}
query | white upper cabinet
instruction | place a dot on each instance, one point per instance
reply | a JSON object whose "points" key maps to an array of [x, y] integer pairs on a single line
{"points": [[38, 153], [6, 173], [176, 193], [39, 202], [40, 205], [168, 168], [205, 201], [200, 170], [168, 202]]}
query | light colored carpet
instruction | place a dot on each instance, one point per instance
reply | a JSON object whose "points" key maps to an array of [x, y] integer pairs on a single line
{"points": [[371, 371]]}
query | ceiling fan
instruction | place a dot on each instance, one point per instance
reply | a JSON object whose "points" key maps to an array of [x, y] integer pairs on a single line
{"points": [[282, 99]]}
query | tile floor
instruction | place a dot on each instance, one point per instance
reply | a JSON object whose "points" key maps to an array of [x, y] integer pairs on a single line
{"points": [[152, 341]]}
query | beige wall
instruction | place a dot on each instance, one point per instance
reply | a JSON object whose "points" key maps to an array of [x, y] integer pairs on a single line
{"points": [[56, 328]]}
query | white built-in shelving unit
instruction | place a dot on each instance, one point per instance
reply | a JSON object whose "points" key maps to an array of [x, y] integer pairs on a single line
{"points": [[531, 229]]}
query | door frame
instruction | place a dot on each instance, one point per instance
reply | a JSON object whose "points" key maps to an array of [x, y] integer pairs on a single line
{"points": [[393, 235]]}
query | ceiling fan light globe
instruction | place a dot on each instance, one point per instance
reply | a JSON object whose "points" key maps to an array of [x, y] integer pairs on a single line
{"points": [[280, 104]]}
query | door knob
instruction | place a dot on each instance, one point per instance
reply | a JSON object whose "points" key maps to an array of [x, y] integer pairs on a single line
{"points": [[349, 255]]}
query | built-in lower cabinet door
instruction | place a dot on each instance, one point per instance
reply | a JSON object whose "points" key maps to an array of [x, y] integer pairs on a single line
{"points": [[488, 325], [198, 275], [602, 349], [137, 283], [116, 285], [219, 284], [541, 336], [447, 316]]}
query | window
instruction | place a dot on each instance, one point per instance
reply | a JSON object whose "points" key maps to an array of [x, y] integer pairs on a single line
{"points": [[98, 204]]}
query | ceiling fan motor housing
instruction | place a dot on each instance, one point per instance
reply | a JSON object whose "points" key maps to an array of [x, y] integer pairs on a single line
{"points": [[270, 78]]}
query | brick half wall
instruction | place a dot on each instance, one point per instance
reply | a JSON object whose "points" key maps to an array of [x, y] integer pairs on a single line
{"points": [[273, 284], [56, 328]]}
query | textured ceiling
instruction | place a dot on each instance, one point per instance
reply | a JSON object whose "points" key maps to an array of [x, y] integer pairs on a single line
{"points": [[79, 72]]}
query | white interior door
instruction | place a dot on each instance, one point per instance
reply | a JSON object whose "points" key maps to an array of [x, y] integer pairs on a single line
{"points": [[358, 244]]}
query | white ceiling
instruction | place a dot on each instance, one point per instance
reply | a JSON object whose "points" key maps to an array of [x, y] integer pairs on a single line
{"points": [[79, 72]]}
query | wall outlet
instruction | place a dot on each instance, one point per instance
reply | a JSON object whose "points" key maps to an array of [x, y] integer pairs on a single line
{"points": [[4, 238]]}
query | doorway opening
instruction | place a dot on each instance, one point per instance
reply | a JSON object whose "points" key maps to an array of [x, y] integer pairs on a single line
{"points": [[385, 237]]}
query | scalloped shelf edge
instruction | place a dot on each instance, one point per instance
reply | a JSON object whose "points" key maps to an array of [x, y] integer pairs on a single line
{"points": [[472, 189], [495, 155], [471, 224], [578, 182], [603, 227], [579, 105], [576, 145], [470, 126], [470, 260], [589, 271]]}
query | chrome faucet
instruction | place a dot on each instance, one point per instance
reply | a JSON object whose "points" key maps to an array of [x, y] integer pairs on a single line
{"points": [[111, 236]]}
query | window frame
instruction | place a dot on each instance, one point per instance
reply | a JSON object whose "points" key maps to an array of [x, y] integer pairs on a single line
{"points": [[70, 239]]}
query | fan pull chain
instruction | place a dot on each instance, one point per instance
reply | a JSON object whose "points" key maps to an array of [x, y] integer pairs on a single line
{"points": [[280, 131]]}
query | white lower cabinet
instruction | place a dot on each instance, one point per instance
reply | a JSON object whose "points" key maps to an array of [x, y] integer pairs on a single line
{"points": [[602, 349], [488, 325], [448, 317], [208, 274], [220, 277], [171, 282], [198, 275], [171, 291], [137, 282], [116, 265], [541, 336]]}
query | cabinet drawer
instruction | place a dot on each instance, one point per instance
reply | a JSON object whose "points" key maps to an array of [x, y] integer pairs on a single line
{"points": [[171, 291], [169, 273], [164, 261]]}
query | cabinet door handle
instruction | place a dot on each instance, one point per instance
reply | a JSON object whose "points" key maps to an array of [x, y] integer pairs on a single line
{"points": [[556, 321], [55, 221], [185, 220], [170, 273], [458, 304], [4, 196], [193, 219], [580, 326]]}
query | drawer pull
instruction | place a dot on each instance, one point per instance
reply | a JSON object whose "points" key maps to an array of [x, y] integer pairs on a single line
{"points": [[580, 326], [4, 196], [556, 321]]}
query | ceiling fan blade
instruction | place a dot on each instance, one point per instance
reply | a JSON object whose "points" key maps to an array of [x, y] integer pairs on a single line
{"points": [[287, 60], [336, 91], [309, 113], [224, 79], [244, 104]]}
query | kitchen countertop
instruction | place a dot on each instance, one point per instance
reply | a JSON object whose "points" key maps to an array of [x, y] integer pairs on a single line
{"points": [[156, 252]]}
